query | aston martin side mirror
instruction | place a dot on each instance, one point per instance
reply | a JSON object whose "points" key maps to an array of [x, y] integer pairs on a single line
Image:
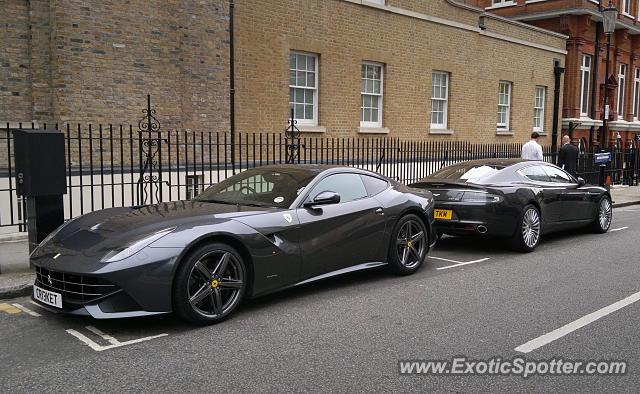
{"points": [[324, 198], [581, 182]]}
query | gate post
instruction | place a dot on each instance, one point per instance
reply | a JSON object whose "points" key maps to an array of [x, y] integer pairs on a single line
{"points": [[41, 178]]}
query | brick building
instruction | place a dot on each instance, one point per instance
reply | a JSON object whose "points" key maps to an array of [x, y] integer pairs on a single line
{"points": [[436, 69], [580, 20], [95, 61], [415, 69]]}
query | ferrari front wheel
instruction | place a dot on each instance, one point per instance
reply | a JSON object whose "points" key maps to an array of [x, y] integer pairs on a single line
{"points": [[210, 284], [409, 245]]}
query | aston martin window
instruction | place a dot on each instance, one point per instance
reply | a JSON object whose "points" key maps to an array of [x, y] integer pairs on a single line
{"points": [[349, 186], [557, 175], [260, 187], [467, 172], [535, 173]]}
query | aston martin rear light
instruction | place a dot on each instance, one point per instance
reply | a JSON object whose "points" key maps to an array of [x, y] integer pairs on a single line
{"points": [[484, 197]]}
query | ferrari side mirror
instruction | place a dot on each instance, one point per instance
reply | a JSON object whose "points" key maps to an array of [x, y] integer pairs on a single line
{"points": [[324, 198]]}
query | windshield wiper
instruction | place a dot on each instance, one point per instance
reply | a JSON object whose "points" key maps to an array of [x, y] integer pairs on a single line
{"points": [[249, 204], [219, 202]]}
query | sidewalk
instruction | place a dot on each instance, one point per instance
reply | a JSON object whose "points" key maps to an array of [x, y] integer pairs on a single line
{"points": [[16, 278]]}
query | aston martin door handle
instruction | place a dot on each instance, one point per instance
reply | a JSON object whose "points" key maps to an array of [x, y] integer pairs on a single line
{"points": [[380, 211]]}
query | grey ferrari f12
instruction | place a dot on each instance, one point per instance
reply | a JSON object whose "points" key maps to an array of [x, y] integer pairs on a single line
{"points": [[259, 231]]}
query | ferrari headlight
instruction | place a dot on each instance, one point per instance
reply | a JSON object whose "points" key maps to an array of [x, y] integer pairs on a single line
{"points": [[481, 197], [51, 235], [134, 246]]}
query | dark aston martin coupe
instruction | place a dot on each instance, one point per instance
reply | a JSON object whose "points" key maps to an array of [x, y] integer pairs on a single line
{"points": [[259, 231], [514, 198]]}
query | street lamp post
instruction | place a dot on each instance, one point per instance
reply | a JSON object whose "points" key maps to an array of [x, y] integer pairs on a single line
{"points": [[609, 16]]}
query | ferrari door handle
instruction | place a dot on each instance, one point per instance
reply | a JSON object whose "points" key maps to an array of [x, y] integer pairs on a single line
{"points": [[380, 211]]}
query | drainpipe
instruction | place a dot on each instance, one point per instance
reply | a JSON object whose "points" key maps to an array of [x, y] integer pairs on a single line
{"points": [[558, 71], [596, 60], [232, 91]]}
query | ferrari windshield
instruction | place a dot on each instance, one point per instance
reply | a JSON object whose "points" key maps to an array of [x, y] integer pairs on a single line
{"points": [[467, 172], [264, 187]]}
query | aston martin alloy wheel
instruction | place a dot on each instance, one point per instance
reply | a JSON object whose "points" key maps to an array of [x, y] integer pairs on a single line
{"points": [[409, 245], [210, 284], [527, 235], [602, 222]]}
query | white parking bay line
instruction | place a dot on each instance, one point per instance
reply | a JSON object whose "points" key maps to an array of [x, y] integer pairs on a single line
{"points": [[576, 324], [618, 229], [114, 343], [461, 264], [443, 259], [27, 310]]}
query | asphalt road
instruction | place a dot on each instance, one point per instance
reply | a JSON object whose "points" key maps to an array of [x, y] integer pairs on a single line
{"points": [[348, 333]]}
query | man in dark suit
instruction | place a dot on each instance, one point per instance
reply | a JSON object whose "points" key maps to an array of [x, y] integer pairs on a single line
{"points": [[568, 156]]}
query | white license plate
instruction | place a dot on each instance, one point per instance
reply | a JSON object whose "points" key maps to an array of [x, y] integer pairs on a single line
{"points": [[48, 297]]}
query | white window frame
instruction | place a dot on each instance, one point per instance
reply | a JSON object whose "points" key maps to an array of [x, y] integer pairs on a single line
{"points": [[626, 7], [444, 100], [195, 185], [622, 77], [505, 125], [538, 110], [585, 77], [307, 122], [380, 96], [636, 94], [382, 2]]}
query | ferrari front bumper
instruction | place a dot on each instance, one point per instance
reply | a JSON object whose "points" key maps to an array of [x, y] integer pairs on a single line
{"points": [[140, 285]]}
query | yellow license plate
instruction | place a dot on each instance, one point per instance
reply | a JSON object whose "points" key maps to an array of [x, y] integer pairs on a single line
{"points": [[443, 214]]}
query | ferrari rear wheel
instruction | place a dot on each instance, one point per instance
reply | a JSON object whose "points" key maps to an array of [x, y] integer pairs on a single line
{"points": [[409, 245], [527, 235], [210, 284], [602, 222]]}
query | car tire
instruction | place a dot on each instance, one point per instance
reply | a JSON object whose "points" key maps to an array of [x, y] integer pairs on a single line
{"points": [[528, 231], [409, 245], [210, 284], [604, 213]]}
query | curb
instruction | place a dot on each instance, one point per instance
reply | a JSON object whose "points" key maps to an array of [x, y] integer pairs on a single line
{"points": [[625, 204], [12, 237], [16, 291]]}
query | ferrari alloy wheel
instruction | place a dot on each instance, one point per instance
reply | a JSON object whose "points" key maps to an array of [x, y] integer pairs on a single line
{"points": [[210, 284], [527, 235], [409, 245], [602, 222]]}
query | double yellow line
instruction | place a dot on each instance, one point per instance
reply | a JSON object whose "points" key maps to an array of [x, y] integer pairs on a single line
{"points": [[9, 308]]}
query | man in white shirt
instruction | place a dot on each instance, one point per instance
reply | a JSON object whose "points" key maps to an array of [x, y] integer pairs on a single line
{"points": [[532, 150]]}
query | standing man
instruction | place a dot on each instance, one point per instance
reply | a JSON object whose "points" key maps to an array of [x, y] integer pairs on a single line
{"points": [[568, 156], [532, 150]]}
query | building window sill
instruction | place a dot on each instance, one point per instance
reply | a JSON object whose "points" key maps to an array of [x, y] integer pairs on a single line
{"points": [[440, 131], [311, 129], [504, 132], [503, 5], [541, 133], [373, 130]]}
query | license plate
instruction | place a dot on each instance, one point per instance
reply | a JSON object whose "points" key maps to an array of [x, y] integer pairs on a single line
{"points": [[443, 214], [47, 297]]}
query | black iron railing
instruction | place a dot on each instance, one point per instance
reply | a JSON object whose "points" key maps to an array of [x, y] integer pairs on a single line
{"points": [[112, 166]]}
